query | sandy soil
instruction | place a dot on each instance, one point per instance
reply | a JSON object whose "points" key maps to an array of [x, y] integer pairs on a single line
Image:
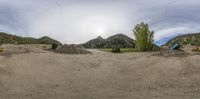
{"points": [[99, 75]]}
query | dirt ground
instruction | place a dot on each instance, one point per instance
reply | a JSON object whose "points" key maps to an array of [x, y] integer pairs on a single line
{"points": [[99, 75]]}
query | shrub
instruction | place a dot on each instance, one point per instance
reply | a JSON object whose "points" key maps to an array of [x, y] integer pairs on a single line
{"points": [[116, 49], [54, 46]]}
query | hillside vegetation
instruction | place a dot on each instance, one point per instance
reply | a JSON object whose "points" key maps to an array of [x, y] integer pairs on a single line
{"points": [[13, 39], [119, 40], [188, 39]]}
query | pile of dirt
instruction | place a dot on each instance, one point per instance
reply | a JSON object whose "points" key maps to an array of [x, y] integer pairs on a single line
{"points": [[19, 49], [71, 49], [171, 53]]}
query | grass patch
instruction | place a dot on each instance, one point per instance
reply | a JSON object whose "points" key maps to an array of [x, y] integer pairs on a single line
{"points": [[123, 50]]}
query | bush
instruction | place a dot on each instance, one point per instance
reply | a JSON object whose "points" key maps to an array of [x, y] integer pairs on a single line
{"points": [[54, 46], [116, 49]]}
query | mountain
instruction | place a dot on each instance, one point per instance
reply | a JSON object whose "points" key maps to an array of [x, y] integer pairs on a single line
{"points": [[98, 42], [13, 39], [120, 40], [48, 40], [188, 39]]}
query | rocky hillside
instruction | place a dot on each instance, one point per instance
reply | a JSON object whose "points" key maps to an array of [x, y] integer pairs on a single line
{"points": [[188, 39], [48, 40], [13, 39], [120, 40]]}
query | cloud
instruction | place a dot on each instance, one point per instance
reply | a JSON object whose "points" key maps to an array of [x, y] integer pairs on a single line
{"points": [[76, 21]]}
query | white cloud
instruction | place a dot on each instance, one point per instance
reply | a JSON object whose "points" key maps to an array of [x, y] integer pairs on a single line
{"points": [[79, 23], [76, 21]]}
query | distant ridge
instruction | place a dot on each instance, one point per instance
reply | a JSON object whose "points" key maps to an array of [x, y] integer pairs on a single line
{"points": [[120, 40], [6, 38], [187, 39]]}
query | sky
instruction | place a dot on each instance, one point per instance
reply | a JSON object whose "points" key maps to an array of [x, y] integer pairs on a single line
{"points": [[77, 21]]}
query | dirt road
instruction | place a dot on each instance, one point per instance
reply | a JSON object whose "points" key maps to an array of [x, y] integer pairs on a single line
{"points": [[99, 75]]}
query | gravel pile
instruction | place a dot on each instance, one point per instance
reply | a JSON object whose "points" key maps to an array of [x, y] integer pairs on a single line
{"points": [[71, 49]]}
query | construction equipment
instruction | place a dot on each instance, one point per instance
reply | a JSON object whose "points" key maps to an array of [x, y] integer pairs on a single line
{"points": [[197, 49], [174, 46], [1, 50]]}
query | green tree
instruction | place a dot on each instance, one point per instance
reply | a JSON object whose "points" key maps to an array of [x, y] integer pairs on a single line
{"points": [[143, 36]]}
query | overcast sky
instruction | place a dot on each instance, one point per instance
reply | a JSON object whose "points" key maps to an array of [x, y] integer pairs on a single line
{"points": [[77, 21]]}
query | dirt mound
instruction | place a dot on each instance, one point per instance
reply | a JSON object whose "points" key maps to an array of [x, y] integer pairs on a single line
{"points": [[171, 53], [71, 49], [19, 49]]}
